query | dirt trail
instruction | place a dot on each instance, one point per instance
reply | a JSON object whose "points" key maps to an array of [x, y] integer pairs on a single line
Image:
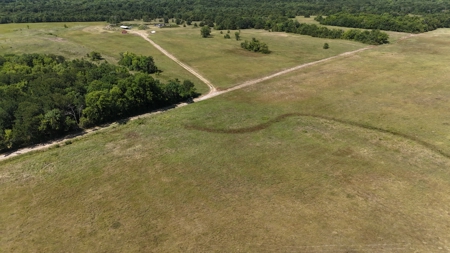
{"points": [[408, 36], [212, 93], [255, 81], [86, 132], [144, 35]]}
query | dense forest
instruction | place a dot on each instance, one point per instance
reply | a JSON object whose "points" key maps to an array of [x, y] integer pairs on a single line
{"points": [[407, 23], [284, 24], [376, 14], [45, 96]]}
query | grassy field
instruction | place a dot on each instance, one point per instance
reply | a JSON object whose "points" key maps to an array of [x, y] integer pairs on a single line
{"points": [[226, 64], [347, 156], [42, 38], [81, 38]]}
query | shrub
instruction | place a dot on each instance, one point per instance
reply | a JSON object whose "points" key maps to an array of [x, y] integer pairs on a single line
{"points": [[142, 27], [255, 46], [95, 56], [205, 31]]}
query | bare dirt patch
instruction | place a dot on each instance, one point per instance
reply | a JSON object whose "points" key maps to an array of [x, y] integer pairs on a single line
{"points": [[58, 39], [279, 34], [96, 29], [132, 135]]}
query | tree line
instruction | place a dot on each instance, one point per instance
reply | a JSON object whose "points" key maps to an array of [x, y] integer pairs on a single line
{"points": [[45, 96], [389, 22], [233, 13], [284, 24]]}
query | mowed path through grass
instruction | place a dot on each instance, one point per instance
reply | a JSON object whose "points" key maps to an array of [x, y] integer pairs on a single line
{"points": [[302, 184]]}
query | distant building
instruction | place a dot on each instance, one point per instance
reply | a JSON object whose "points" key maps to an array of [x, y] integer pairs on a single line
{"points": [[125, 27]]}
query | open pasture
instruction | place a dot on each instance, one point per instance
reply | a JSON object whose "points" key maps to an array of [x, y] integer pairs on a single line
{"points": [[400, 87], [351, 155], [226, 64], [41, 38]]}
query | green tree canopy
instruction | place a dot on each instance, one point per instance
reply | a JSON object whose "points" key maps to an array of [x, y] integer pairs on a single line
{"points": [[45, 96], [138, 62], [205, 31], [255, 46]]}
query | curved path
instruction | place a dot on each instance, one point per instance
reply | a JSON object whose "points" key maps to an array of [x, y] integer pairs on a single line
{"points": [[212, 93]]}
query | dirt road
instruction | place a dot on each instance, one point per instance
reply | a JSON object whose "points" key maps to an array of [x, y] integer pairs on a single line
{"points": [[86, 132], [255, 81], [144, 35]]}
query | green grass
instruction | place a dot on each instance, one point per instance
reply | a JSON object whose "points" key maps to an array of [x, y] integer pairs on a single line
{"points": [[41, 38], [226, 64], [301, 183], [81, 38], [400, 87]]}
